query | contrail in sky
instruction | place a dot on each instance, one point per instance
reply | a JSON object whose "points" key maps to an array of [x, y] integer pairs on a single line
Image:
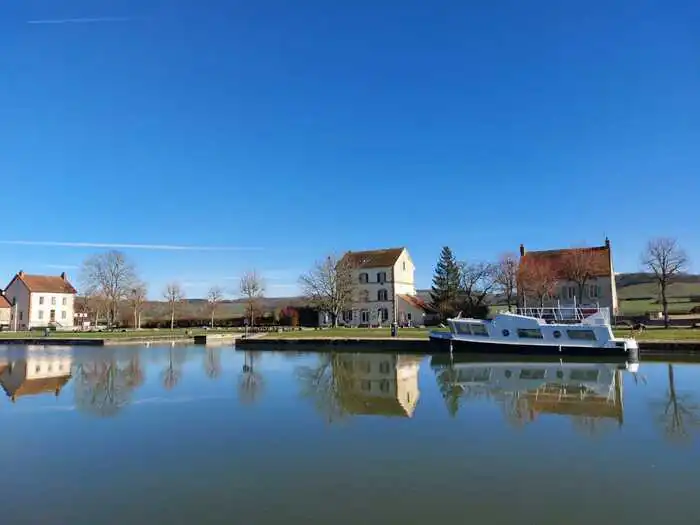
{"points": [[93, 20], [166, 247]]}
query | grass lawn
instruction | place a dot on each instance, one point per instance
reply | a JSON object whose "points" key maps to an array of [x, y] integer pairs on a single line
{"points": [[672, 334]]}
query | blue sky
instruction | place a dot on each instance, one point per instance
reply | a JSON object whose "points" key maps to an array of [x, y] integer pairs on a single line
{"points": [[299, 128]]}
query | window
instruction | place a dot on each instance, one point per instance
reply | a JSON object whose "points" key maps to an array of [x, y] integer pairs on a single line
{"points": [[347, 315], [474, 375], [41, 300], [41, 314], [594, 291], [409, 316], [530, 333], [63, 314], [571, 292], [506, 332], [381, 277], [363, 278], [479, 329], [532, 374], [581, 335], [364, 316], [21, 315], [64, 301], [462, 328], [384, 367], [37, 368], [383, 314], [384, 385], [382, 295], [404, 266], [556, 334], [53, 301], [584, 375]]}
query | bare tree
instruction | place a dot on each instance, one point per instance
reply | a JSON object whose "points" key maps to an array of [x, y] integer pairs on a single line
{"points": [[328, 286], [537, 279], [214, 297], [476, 281], [137, 298], [667, 261], [252, 288], [110, 275], [174, 295], [506, 277], [579, 266]]}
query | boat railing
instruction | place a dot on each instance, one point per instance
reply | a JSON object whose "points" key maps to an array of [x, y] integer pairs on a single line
{"points": [[571, 314]]}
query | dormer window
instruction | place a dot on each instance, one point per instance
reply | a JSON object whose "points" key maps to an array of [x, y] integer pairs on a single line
{"points": [[364, 278]]}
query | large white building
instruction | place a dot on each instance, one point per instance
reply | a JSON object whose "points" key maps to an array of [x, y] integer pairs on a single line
{"points": [[41, 301], [384, 289]]}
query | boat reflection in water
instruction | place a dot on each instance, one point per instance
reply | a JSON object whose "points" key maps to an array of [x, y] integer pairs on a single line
{"points": [[588, 392], [29, 375], [344, 384]]}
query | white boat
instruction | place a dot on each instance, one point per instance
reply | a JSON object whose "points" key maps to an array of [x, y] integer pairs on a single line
{"points": [[561, 330]]}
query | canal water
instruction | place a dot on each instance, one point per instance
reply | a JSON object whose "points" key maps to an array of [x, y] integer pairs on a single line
{"points": [[198, 435]]}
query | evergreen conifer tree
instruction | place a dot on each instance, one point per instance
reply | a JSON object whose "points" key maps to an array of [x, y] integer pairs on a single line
{"points": [[446, 284]]}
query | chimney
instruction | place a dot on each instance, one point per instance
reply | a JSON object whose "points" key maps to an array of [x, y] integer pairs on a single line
{"points": [[21, 274], [63, 275], [607, 243], [522, 250]]}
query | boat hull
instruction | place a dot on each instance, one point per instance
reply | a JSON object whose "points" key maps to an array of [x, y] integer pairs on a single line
{"points": [[493, 347]]}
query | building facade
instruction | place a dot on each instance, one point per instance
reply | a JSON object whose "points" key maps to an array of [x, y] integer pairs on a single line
{"points": [[41, 301], [383, 289], [600, 288], [5, 312]]}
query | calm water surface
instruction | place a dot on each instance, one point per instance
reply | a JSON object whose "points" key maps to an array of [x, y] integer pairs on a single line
{"points": [[213, 435]]}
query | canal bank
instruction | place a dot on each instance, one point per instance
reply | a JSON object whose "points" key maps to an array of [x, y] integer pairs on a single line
{"points": [[107, 341], [422, 345]]}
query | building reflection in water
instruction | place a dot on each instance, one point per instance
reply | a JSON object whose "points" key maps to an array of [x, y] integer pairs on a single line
{"points": [[362, 384], [589, 393], [32, 375]]}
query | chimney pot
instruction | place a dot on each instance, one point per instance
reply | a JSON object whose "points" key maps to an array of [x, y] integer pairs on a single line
{"points": [[63, 275], [607, 242], [21, 273], [522, 250]]}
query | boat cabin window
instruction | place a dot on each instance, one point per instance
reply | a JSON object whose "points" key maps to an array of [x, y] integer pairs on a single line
{"points": [[581, 335], [532, 374], [479, 329], [473, 375], [584, 375], [530, 333], [462, 328]]}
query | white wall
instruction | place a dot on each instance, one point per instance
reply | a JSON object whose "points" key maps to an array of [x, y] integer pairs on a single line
{"points": [[41, 313], [405, 270], [18, 291]]}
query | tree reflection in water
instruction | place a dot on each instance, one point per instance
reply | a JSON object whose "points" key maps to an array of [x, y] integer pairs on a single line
{"points": [[250, 382], [680, 413], [324, 384], [212, 362], [171, 374], [104, 387]]}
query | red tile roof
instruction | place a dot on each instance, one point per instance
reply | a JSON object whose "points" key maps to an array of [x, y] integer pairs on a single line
{"points": [[416, 302], [597, 258], [374, 258], [4, 303], [46, 283]]}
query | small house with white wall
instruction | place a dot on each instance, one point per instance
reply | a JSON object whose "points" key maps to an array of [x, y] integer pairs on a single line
{"points": [[5, 312], [41, 301]]}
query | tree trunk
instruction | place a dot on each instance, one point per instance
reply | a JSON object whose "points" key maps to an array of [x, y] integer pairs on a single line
{"points": [[581, 287], [664, 304]]}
